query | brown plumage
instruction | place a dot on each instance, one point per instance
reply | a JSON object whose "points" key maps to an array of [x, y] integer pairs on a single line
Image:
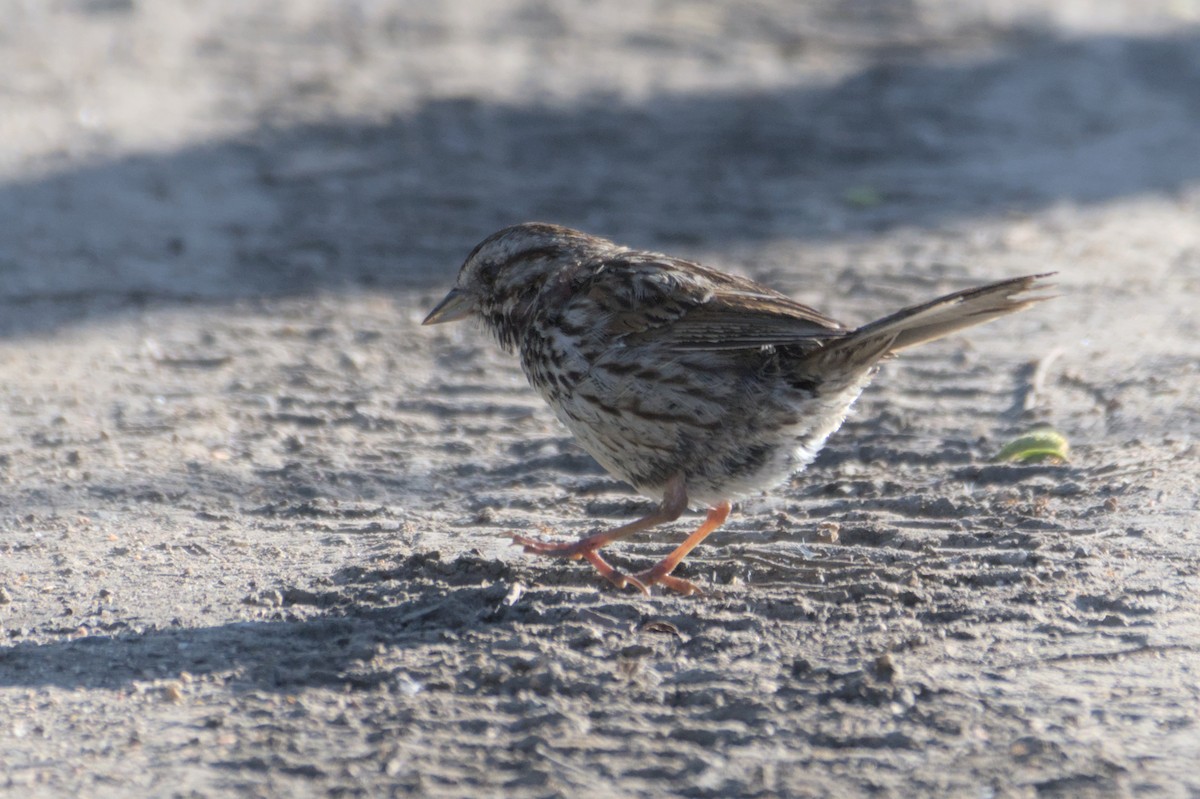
{"points": [[695, 386]]}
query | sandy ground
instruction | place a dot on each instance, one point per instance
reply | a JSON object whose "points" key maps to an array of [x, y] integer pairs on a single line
{"points": [[255, 518]]}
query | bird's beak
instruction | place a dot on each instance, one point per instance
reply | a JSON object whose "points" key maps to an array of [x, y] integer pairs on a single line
{"points": [[454, 306]]}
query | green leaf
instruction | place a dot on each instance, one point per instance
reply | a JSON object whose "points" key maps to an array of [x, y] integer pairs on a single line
{"points": [[1044, 445]]}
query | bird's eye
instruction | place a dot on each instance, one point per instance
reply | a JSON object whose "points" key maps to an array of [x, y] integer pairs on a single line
{"points": [[488, 272]]}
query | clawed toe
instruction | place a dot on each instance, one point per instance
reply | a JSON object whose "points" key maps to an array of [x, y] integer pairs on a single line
{"points": [[660, 574], [622, 581], [676, 584], [589, 552], [587, 549], [533, 546], [643, 580]]}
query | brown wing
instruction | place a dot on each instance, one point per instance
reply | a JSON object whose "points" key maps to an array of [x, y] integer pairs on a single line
{"points": [[688, 307]]}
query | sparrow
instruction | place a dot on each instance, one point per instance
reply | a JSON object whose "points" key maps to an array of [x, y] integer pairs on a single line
{"points": [[694, 386]]}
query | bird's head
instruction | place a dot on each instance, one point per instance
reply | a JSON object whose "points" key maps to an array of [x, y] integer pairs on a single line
{"points": [[501, 279]]}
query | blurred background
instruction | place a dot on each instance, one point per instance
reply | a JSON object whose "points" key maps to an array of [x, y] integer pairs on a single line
{"points": [[205, 150]]}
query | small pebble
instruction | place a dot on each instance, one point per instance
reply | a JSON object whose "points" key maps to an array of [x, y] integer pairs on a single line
{"points": [[514, 594], [886, 668]]}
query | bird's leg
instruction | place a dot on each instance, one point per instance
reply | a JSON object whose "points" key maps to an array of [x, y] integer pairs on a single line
{"points": [[661, 572], [671, 508]]}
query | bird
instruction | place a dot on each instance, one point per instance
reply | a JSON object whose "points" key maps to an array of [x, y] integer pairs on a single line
{"points": [[695, 386]]}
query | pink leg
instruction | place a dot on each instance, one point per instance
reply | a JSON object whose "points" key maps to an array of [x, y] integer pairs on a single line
{"points": [[661, 573], [672, 507]]}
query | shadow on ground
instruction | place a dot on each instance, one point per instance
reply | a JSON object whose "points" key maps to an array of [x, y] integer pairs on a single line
{"points": [[396, 206], [316, 638]]}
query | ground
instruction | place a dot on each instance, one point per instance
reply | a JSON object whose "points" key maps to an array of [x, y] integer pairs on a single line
{"points": [[256, 519]]}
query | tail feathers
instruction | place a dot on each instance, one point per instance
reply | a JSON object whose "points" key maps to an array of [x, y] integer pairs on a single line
{"points": [[932, 320]]}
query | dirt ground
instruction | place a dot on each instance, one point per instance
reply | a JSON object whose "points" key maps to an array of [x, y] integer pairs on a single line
{"points": [[255, 519]]}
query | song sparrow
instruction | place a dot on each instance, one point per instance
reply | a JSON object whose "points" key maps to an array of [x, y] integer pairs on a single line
{"points": [[694, 386]]}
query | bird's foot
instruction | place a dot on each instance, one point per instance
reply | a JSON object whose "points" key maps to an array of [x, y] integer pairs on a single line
{"points": [[658, 575], [586, 549]]}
